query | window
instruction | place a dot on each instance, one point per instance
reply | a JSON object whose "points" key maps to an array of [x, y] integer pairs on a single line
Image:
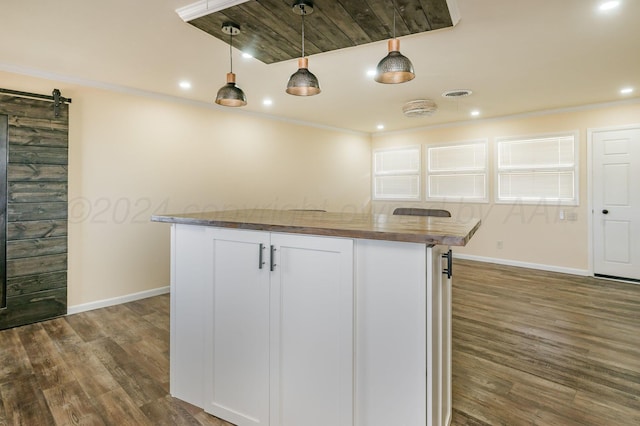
{"points": [[537, 170], [396, 174], [457, 172]]}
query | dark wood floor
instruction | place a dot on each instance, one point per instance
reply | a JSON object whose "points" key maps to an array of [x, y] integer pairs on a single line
{"points": [[529, 347], [532, 347]]}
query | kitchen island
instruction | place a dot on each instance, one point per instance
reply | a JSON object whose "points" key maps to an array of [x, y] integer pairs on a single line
{"points": [[304, 318]]}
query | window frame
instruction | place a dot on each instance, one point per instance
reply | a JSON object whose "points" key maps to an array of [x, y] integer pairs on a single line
{"points": [[575, 168], [462, 171], [375, 174]]}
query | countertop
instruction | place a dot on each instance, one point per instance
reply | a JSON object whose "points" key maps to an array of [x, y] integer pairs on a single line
{"points": [[413, 229]]}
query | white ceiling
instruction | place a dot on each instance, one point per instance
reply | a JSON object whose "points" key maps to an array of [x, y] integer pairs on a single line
{"points": [[516, 56]]}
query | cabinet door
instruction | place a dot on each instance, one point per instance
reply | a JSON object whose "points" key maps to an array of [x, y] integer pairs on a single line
{"points": [[237, 370], [312, 331]]}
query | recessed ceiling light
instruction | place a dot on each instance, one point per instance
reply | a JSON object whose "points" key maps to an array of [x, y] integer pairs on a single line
{"points": [[626, 90], [185, 85], [608, 5], [475, 113], [371, 73], [247, 55], [267, 102], [380, 126]]}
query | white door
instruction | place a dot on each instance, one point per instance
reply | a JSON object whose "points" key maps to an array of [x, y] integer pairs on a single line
{"points": [[237, 366], [616, 202], [312, 331]]}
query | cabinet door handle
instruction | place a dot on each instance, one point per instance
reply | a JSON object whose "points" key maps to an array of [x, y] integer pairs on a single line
{"points": [[261, 261], [449, 269], [272, 262]]}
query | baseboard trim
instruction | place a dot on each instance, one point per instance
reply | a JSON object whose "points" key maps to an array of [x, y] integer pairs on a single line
{"points": [[506, 262], [116, 300]]}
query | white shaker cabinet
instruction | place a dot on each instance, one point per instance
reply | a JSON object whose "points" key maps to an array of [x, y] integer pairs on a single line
{"points": [[283, 325], [278, 328]]}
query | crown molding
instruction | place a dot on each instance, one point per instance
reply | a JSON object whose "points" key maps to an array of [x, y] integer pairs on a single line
{"points": [[539, 113], [205, 7], [37, 73]]}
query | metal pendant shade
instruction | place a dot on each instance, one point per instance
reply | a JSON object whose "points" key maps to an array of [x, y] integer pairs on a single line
{"points": [[231, 95], [395, 67], [303, 82]]}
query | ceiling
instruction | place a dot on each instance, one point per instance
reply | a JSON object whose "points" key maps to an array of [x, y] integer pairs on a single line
{"points": [[516, 56], [270, 30]]}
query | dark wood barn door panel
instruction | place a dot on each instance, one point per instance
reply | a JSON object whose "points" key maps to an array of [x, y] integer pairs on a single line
{"points": [[35, 211], [4, 128]]}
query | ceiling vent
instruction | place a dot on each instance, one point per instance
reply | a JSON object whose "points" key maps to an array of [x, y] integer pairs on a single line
{"points": [[419, 108], [458, 93]]}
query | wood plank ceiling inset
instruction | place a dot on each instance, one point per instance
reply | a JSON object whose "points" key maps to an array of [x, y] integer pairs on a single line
{"points": [[270, 30]]}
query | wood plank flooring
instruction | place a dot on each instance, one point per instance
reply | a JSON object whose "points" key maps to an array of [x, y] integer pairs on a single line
{"points": [[533, 347], [529, 347]]}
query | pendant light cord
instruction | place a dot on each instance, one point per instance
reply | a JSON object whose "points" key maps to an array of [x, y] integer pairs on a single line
{"points": [[230, 54], [394, 19], [303, 12]]}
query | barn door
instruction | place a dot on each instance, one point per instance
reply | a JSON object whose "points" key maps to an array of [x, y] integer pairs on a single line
{"points": [[33, 197], [4, 129]]}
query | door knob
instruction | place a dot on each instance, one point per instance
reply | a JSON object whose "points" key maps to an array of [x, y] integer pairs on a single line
{"points": [[605, 211]]}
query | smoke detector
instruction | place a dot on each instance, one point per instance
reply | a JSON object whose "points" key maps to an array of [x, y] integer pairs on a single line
{"points": [[458, 93], [419, 108]]}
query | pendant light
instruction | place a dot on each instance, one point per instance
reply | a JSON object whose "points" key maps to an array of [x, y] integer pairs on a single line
{"points": [[303, 82], [231, 95], [395, 67]]}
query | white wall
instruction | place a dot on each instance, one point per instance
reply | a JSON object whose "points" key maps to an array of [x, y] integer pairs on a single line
{"points": [[531, 235], [132, 156]]}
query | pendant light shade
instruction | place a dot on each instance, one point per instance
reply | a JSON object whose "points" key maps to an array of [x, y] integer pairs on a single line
{"points": [[395, 67], [303, 82], [231, 95]]}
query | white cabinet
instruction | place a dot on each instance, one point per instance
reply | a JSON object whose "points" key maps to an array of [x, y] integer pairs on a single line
{"points": [[342, 332], [403, 335], [278, 327], [237, 327]]}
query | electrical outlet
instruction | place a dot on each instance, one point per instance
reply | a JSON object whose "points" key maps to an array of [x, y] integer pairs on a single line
{"points": [[499, 245]]}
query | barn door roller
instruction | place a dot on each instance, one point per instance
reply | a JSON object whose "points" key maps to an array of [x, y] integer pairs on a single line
{"points": [[56, 97]]}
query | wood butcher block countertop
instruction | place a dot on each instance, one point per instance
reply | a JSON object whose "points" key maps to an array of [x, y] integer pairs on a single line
{"points": [[413, 229]]}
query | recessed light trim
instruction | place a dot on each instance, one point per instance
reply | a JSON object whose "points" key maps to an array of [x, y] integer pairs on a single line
{"points": [[247, 55], [380, 127], [371, 73], [475, 113], [609, 5], [267, 102], [185, 85], [626, 90]]}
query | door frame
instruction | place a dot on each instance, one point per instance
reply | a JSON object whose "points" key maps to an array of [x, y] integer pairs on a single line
{"points": [[590, 184]]}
